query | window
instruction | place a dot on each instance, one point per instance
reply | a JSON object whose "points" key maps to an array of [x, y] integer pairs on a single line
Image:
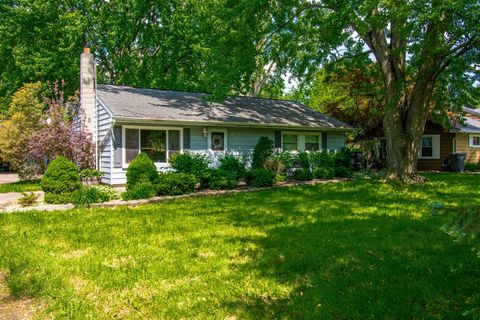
{"points": [[475, 141], [217, 141], [290, 142], [430, 147], [159, 145], [427, 147], [312, 143]]}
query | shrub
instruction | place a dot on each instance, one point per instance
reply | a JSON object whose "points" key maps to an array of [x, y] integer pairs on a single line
{"points": [[60, 180], [174, 183], [342, 158], [323, 173], [90, 174], [343, 172], [470, 166], [218, 179], [141, 169], [302, 175], [232, 164], [28, 199], [263, 149], [85, 196], [302, 160], [260, 178], [189, 163], [276, 163], [280, 177], [321, 159], [141, 190]]}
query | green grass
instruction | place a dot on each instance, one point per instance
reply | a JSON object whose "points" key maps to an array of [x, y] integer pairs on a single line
{"points": [[20, 186], [352, 250]]}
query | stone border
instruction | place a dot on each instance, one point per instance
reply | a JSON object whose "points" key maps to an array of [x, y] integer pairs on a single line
{"points": [[134, 203], [204, 193]]}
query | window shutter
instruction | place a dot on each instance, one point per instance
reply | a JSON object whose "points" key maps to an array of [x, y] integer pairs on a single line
{"points": [[117, 146], [324, 141], [436, 146], [278, 139], [186, 138]]}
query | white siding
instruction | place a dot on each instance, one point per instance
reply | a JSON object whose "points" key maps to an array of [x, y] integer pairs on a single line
{"points": [[104, 125]]}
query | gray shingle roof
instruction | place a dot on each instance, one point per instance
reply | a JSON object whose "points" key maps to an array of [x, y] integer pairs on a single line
{"points": [[472, 124], [149, 104]]}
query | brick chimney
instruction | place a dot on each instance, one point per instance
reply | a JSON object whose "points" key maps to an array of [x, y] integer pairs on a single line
{"points": [[87, 91]]}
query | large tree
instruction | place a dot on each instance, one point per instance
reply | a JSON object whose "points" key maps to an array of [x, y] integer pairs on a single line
{"points": [[425, 50]]}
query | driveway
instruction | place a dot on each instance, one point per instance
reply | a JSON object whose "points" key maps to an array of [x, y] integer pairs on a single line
{"points": [[8, 177]]}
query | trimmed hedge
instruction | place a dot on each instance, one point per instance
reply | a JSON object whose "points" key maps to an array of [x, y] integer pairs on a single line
{"points": [[232, 164], [173, 183], [141, 190], [189, 163], [302, 175], [141, 169], [59, 181], [263, 149], [260, 178], [218, 179]]}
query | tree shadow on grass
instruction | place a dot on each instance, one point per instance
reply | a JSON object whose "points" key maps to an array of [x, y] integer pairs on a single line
{"points": [[335, 262]]}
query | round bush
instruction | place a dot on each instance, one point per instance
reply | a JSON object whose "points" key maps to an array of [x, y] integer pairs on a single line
{"points": [[218, 179], [302, 175], [232, 164], [302, 160], [263, 149], [60, 179], [323, 173], [260, 178], [190, 163], [142, 190], [141, 169], [174, 183], [343, 172]]}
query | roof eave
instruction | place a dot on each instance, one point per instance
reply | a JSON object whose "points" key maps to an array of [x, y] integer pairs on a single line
{"points": [[230, 124]]}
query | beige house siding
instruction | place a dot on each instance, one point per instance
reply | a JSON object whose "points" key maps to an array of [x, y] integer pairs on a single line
{"points": [[462, 145]]}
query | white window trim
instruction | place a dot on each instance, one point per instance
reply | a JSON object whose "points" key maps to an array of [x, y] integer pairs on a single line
{"points": [[470, 140], [124, 140], [435, 147], [209, 139], [301, 139]]}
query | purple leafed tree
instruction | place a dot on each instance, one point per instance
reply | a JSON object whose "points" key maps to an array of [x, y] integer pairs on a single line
{"points": [[62, 134]]}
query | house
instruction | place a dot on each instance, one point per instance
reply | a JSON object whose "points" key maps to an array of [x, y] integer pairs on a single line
{"points": [[125, 121], [438, 143]]}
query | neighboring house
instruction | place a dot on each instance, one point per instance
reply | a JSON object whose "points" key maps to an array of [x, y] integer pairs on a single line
{"points": [[438, 143], [125, 121]]}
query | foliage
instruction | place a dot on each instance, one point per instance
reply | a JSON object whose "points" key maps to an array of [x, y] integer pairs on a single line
{"points": [[471, 166], [276, 238], [280, 177], [90, 174], [465, 227], [321, 159], [302, 174], [342, 158], [218, 179], [21, 186], [143, 189], [260, 178], [279, 162], [343, 172], [323, 173], [88, 195], [140, 170], [28, 199], [60, 135], [262, 150], [232, 164], [60, 180], [302, 160], [174, 183], [190, 163], [25, 117]]}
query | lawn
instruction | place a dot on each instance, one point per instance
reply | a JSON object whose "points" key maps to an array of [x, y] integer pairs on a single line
{"points": [[355, 250], [20, 186]]}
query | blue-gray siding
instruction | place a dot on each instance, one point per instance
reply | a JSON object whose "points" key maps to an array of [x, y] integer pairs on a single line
{"points": [[239, 141], [105, 143]]}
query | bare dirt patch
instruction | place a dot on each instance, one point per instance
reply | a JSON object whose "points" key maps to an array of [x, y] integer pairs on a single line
{"points": [[15, 308]]}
